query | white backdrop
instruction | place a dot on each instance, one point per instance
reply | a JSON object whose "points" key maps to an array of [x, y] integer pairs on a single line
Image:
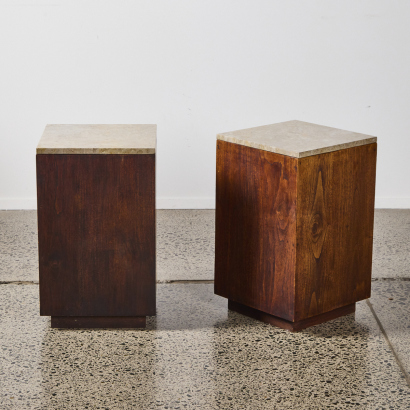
{"points": [[197, 68]]}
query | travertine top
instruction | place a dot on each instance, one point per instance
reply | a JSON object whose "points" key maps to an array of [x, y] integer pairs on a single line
{"points": [[98, 139], [296, 138]]}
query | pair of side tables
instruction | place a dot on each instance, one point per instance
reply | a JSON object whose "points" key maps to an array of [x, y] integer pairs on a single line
{"points": [[294, 223]]}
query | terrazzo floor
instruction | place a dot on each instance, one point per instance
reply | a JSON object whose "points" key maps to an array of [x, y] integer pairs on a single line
{"points": [[195, 354]]}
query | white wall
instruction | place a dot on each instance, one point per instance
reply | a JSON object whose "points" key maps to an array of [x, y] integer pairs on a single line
{"points": [[197, 68]]}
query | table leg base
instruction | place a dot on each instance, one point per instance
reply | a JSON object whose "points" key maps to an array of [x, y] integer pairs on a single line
{"points": [[98, 322], [285, 324]]}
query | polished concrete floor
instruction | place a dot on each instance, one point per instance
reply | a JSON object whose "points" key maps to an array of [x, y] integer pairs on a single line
{"points": [[195, 354]]}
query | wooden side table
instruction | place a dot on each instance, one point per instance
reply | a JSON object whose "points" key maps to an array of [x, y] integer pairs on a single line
{"points": [[294, 222], [96, 225]]}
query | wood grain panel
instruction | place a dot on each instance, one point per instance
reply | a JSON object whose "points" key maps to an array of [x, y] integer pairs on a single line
{"points": [[96, 223], [256, 228], [335, 203]]}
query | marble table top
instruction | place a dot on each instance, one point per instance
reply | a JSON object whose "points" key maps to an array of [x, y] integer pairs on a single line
{"points": [[98, 139], [296, 138]]}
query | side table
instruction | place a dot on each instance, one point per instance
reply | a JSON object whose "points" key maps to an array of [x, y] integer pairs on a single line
{"points": [[294, 222], [96, 225]]}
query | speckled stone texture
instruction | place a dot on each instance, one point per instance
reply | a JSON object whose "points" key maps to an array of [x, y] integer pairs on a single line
{"points": [[297, 139], [98, 139], [194, 355], [391, 246], [391, 303], [186, 243], [18, 246]]}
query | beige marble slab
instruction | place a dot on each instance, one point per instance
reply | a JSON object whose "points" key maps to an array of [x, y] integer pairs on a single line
{"points": [[296, 138], [98, 139]]}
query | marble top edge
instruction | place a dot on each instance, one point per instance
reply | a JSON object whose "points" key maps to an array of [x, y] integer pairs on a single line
{"points": [[102, 151], [98, 139], [297, 139]]}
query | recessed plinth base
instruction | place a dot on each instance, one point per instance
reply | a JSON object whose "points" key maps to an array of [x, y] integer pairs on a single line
{"points": [[285, 324], [95, 322]]}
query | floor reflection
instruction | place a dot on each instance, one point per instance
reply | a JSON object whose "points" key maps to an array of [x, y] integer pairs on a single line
{"points": [[194, 354], [83, 368], [265, 367]]}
